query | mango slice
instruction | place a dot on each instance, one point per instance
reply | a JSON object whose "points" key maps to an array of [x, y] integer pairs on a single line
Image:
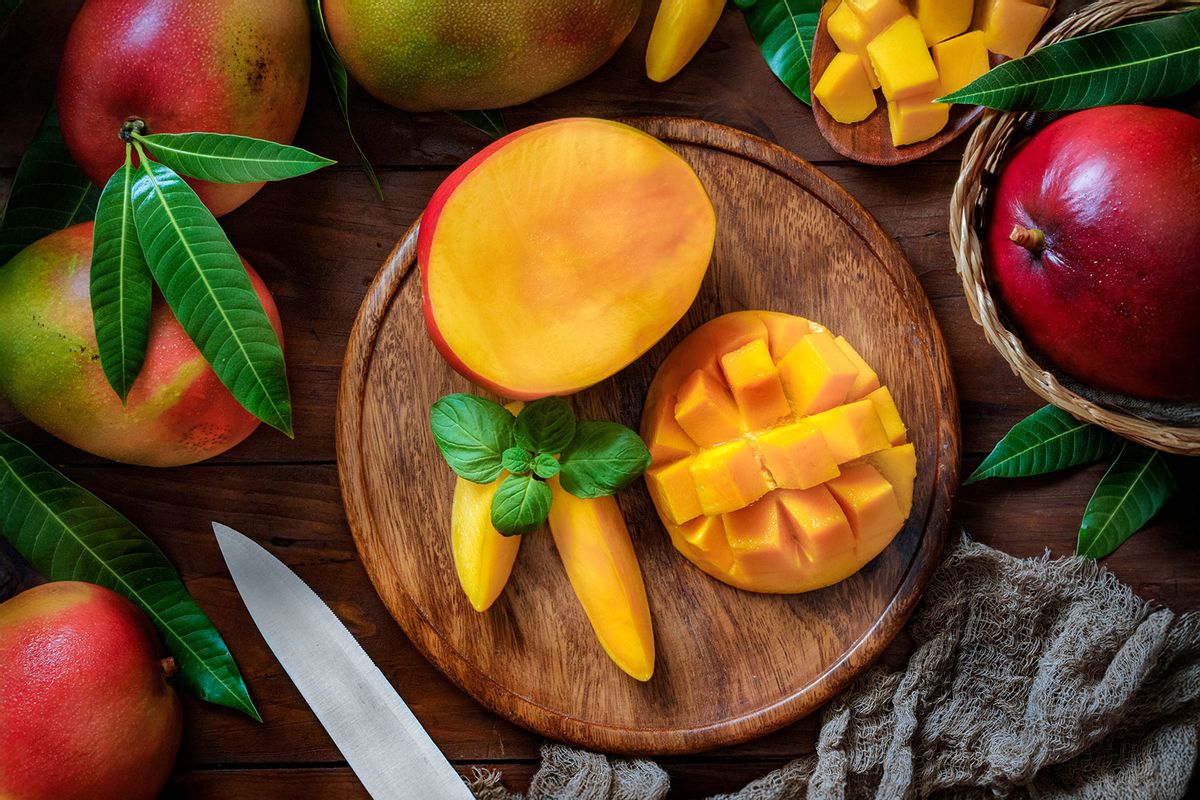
{"points": [[594, 545], [941, 19], [483, 557], [915, 119], [1010, 26], [681, 28], [902, 61], [877, 15], [845, 89], [961, 60], [795, 499], [851, 35]]}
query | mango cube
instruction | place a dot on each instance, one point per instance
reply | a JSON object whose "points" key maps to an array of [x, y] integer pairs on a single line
{"points": [[784, 332], [876, 15], [901, 60], [676, 492], [755, 383], [851, 35], [915, 119], [666, 439], [866, 380], [818, 522], [960, 60], [868, 502], [728, 478], [844, 90], [1010, 25], [851, 431], [758, 539], [816, 374], [796, 456], [707, 535], [898, 465], [889, 416], [705, 411], [941, 19]]}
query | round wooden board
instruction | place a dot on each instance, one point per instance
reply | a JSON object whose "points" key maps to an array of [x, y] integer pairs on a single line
{"points": [[731, 665]]}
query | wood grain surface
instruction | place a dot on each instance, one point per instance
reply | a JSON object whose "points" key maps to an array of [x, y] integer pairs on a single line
{"points": [[731, 665], [318, 242]]}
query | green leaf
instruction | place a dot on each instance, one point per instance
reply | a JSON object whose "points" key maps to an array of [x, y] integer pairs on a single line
{"points": [[49, 192], [69, 534], [603, 458], [121, 287], [206, 285], [340, 82], [490, 122], [472, 433], [545, 426], [225, 158], [545, 466], [1126, 64], [1132, 491], [1047, 440], [520, 505], [517, 460], [784, 31]]}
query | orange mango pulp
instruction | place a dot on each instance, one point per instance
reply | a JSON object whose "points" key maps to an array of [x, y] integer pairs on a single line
{"points": [[560, 253], [768, 498]]}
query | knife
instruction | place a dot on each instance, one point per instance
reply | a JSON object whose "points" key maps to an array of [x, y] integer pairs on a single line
{"points": [[386, 746]]}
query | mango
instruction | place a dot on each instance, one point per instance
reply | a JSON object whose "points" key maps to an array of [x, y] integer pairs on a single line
{"points": [[851, 35], [942, 19], [483, 557], [597, 553], [681, 28], [801, 503], [845, 89], [1011, 25], [960, 60], [902, 61], [877, 15], [915, 119]]}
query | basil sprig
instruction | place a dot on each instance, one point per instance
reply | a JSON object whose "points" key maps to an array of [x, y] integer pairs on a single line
{"points": [[481, 440]]}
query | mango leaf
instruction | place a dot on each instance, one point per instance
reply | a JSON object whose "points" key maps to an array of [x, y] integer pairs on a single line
{"points": [[121, 287], [1132, 491], [340, 82], [490, 122], [205, 284], [49, 192], [784, 31], [1047, 440], [226, 158], [1126, 64], [69, 534]]}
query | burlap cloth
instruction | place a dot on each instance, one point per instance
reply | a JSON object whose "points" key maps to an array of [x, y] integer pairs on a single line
{"points": [[1031, 678]]}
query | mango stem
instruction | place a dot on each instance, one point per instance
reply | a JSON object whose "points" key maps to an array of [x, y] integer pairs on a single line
{"points": [[1031, 239]]}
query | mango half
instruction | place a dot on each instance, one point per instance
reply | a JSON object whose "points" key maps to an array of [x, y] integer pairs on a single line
{"points": [[780, 464]]}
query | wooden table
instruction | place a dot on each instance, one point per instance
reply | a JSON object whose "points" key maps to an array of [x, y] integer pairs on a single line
{"points": [[318, 241]]}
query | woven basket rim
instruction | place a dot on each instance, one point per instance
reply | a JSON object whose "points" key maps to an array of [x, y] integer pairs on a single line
{"points": [[984, 152]]}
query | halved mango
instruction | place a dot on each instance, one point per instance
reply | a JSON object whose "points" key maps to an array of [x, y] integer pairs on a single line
{"points": [[483, 557], [816, 374], [866, 381], [889, 417], [851, 431], [868, 502], [669, 441], [675, 491], [796, 455], [727, 477], [705, 410], [560, 253], [899, 466], [754, 380], [758, 539], [819, 524]]}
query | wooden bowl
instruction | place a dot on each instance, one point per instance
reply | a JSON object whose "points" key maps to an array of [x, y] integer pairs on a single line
{"points": [[870, 141], [1171, 427], [731, 665]]}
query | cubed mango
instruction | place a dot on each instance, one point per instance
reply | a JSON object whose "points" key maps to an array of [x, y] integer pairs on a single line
{"points": [[877, 15], [707, 536], [889, 416], [899, 466], [755, 383], [941, 19], [851, 35], [759, 540], [816, 374], [868, 502], [796, 456], [866, 380], [675, 490], [667, 441], [1011, 25], [901, 60], [960, 60], [817, 521], [784, 331], [851, 431], [706, 411], [728, 477], [915, 119], [844, 89]]}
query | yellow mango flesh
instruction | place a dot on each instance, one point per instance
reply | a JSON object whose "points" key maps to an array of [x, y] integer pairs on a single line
{"points": [[902, 61], [876, 15], [844, 89], [1011, 25], [754, 381], [768, 519], [960, 60], [705, 410], [916, 119], [942, 19], [681, 28], [483, 557], [594, 545], [851, 35], [889, 416]]}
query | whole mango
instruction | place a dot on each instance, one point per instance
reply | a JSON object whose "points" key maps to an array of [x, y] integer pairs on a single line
{"points": [[86, 712], [178, 412], [225, 66], [437, 55]]}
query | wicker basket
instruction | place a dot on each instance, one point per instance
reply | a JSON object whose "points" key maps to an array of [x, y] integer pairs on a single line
{"points": [[1168, 427]]}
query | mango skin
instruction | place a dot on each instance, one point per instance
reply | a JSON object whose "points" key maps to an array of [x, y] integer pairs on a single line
{"points": [[178, 412], [226, 66], [85, 709], [441, 55]]}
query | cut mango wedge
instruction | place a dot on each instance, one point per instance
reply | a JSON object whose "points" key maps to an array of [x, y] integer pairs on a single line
{"points": [[680, 30], [596, 551], [483, 556]]}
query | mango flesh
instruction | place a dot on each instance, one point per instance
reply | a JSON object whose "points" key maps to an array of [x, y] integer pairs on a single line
{"points": [[942, 19], [961, 60], [595, 548], [440, 55], [795, 506], [178, 411], [681, 28], [1010, 25], [845, 88], [200, 65], [85, 708], [559, 254], [902, 61]]}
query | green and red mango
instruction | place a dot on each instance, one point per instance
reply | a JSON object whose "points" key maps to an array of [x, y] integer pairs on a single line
{"points": [[178, 412], [226, 66]]}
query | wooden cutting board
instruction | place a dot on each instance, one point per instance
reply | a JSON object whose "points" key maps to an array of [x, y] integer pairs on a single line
{"points": [[731, 665]]}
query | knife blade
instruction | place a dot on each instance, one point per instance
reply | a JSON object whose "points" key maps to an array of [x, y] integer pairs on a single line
{"points": [[383, 742]]}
